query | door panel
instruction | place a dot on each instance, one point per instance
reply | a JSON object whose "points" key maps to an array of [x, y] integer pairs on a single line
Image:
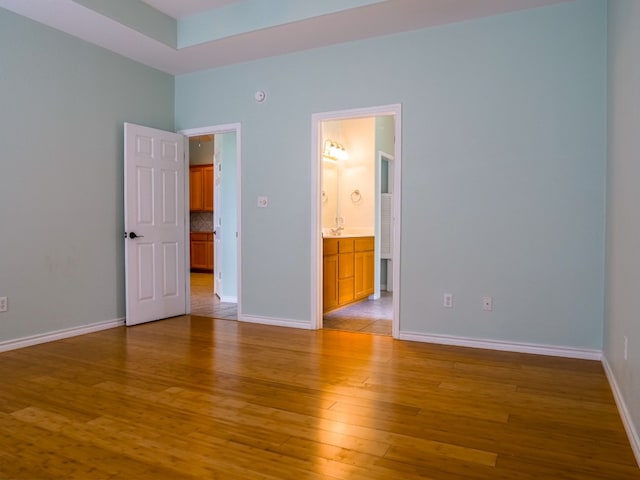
{"points": [[170, 267], [146, 273], [169, 198], [144, 196], [154, 213], [217, 224]]}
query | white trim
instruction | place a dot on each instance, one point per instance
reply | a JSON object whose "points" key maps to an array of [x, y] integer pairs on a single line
{"points": [[217, 130], [569, 352], [59, 334], [379, 156], [213, 129], [632, 433], [316, 221], [187, 227], [276, 322], [229, 299]]}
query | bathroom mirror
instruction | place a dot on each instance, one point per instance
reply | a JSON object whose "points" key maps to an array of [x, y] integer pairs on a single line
{"points": [[348, 176]]}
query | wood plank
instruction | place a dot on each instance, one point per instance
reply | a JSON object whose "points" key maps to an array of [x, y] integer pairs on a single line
{"points": [[194, 397]]}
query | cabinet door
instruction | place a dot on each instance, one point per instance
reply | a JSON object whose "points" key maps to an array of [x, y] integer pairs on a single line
{"points": [[207, 188], [196, 193], [345, 265], [346, 292], [210, 251], [359, 274], [329, 282], [369, 273], [364, 274], [199, 251]]}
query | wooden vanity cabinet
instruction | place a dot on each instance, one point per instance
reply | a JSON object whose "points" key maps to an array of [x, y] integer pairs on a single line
{"points": [[345, 271], [348, 270], [201, 188], [202, 251], [330, 274], [364, 270]]}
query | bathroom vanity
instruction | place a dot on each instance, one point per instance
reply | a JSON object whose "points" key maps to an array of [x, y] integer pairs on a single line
{"points": [[348, 270]]}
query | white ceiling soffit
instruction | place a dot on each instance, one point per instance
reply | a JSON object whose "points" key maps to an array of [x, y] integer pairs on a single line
{"points": [[387, 17], [184, 8]]}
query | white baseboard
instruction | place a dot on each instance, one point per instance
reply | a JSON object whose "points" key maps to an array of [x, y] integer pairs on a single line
{"points": [[228, 299], [569, 352], [59, 334], [277, 322], [630, 428]]}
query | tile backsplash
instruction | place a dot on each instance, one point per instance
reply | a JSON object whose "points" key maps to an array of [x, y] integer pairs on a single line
{"points": [[201, 221]]}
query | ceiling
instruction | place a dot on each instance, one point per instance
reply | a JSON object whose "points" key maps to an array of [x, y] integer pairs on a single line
{"points": [[184, 8], [371, 18]]}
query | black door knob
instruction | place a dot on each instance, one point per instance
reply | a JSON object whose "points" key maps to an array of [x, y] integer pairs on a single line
{"points": [[133, 235]]}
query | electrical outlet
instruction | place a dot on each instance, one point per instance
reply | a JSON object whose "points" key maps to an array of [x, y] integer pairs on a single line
{"points": [[4, 306], [447, 300], [626, 347], [487, 304]]}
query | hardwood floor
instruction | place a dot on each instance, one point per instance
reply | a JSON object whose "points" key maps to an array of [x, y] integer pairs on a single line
{"points": [[195, 397]]}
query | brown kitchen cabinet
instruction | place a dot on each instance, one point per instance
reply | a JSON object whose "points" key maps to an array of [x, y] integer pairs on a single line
{"points": [[348, 270], [201, 188], [202, 251]]}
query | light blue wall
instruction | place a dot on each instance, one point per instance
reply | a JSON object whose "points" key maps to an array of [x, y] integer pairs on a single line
{"points": [[503, 169], [62, 106], [623, 221]]}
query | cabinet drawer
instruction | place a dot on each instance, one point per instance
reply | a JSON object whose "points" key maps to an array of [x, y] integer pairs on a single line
{"points": [[364, 244], [345, 245], [199, 236], [329, 246]]}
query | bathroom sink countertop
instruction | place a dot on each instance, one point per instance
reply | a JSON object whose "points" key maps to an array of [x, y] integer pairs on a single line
{"points": [[347, 235]]}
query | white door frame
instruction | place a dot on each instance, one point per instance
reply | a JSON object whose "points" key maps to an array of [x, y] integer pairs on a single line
{"points": [[316, 204], [216, 130]]}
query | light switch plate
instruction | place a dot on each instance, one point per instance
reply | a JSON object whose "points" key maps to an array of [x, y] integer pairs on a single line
{"points": [[447, 300], [487, 304]]}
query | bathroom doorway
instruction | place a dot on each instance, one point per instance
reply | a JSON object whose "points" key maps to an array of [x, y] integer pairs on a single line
{"points": [[356, 222]]}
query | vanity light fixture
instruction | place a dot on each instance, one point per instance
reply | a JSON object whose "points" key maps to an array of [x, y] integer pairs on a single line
{"points": [[334, 151]]}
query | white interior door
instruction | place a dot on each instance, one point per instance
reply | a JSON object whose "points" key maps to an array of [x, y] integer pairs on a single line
{"points": [[154, 224], [217, 224]]}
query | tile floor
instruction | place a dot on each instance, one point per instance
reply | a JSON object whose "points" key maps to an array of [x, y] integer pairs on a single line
{"points": [[205, 303], [367, 316]]}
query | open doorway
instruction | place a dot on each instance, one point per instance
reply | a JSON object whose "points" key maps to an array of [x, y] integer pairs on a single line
{"points": [[214, 157], [356, 222]]}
